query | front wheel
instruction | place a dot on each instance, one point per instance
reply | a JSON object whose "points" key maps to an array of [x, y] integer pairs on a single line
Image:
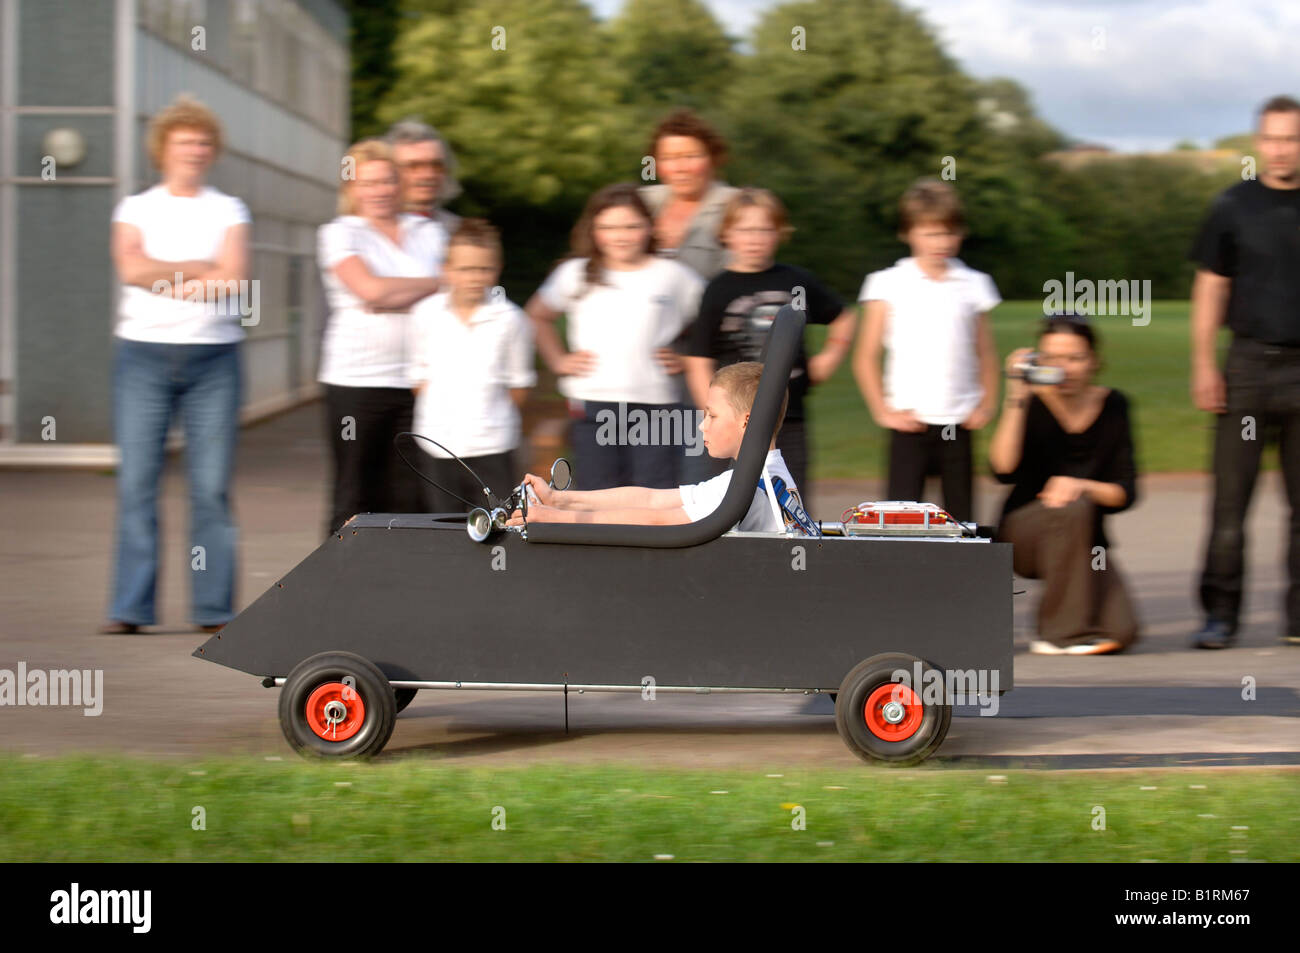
{"points": [[882, 719], [337, 705]]}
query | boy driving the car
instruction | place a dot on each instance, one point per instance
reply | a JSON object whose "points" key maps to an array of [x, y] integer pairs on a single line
{"points": [[726, 417]]}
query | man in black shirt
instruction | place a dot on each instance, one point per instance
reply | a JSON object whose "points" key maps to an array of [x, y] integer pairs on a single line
{"points": [[1248, 253]]}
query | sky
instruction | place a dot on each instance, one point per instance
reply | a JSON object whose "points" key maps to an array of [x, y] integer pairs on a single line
{"points": [[1130, 74]]}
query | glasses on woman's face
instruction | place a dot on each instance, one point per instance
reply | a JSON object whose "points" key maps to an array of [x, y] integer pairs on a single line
{"points": [[756, 231]]}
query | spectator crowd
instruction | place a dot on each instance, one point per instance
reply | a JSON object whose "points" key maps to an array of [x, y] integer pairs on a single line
{"points": [[666, 285]]}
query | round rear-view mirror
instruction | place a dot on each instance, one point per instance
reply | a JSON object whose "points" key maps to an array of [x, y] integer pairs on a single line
{"points": [[561, 474], [479, 524]]}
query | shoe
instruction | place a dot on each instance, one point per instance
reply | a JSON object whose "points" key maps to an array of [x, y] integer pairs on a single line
{"points": [[1291, 639], [1097, 646], [212, 629], [1214, 635], [114, 627]]}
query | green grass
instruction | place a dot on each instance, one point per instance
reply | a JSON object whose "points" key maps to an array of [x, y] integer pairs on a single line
{"points": [[1149, 364], [119, 809]]}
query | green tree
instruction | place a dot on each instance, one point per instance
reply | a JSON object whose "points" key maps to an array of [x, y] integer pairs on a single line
{"points": [[843, 105], [373, 25], [523, 92], [670, 53]]}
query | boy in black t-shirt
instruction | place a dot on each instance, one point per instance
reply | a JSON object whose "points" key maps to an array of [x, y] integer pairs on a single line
{"points": [[738, 307]]}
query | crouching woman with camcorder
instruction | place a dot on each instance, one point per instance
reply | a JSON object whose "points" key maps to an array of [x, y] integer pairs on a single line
{"points": [[1065, 445]]}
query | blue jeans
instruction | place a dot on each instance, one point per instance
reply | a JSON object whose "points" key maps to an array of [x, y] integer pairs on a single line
{"points": [[202, 383]]}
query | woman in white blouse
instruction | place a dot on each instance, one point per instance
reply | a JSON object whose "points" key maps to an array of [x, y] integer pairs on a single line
{"points": [[376, 263], [180, 250]]}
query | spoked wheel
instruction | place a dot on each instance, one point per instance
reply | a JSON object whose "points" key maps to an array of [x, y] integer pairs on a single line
{"points": [[337, 705], [892, 721], [404, 697]]}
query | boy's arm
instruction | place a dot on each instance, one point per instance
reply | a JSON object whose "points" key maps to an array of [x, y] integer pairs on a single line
{"points": [[986, 349], [636, 516], [839, 338], [699, 372], [616, 497]]}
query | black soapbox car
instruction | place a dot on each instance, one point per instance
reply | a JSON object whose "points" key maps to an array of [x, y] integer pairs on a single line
{"points": [[392, 604]]}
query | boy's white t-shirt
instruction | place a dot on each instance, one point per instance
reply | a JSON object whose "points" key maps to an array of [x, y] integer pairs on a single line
{"points": [[623, 321], [363, 348], [931, 364], [181, 228], [701, 499], [467, 371]]}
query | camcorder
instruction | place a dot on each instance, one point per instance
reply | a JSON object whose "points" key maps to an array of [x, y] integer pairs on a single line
{"points": [[1034, 373]]}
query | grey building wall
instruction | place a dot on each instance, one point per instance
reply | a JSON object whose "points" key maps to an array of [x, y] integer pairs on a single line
{"points": [[276, 74]]}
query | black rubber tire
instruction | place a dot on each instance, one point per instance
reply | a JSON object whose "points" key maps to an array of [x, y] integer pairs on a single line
{"points": [[404, 697], [858, 685], [368, 682]]}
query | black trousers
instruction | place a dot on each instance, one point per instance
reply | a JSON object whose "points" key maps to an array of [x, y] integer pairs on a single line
{"points": [[497, 470], [1263, 402], [602, 461], [369, 477], [792, 441], [914, 456]]}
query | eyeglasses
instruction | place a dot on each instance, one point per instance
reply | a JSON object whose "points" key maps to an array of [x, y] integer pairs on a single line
{"points": [[433, 165]]}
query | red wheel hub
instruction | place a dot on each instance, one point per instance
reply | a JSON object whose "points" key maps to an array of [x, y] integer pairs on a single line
{"points": [[893, 712], [335, 712]]}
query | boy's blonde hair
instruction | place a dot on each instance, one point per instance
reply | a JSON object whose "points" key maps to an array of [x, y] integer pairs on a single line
{"points": [[477, 233], [185, 112], [756, 198], [740, 383], [930, 200], [367, 150]]}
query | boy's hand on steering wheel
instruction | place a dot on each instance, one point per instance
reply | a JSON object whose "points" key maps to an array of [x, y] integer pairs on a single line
{"points": [[542, 489]]}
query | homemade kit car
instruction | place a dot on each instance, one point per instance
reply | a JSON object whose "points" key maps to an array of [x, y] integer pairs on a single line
{"points": [[879, 611]]}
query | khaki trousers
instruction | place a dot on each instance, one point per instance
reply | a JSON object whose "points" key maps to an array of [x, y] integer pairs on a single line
{"points": [[1079, 602]]}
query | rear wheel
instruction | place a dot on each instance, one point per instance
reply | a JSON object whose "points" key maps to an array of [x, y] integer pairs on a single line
{"points": [[337, 705], [889, 720]]}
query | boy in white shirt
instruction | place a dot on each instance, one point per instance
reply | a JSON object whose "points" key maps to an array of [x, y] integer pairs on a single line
{"points": [[472, 366], [929, 313], [730, 398]]}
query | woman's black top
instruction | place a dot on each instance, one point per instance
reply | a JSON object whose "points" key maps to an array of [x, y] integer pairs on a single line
{"points": [[1103, 452]]}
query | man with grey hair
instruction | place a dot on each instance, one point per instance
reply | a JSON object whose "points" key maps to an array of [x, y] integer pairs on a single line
{"points": [[428, 171]]}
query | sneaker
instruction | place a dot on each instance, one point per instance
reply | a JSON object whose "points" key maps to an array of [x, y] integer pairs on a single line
{"points": [[113, 627], [1098, 646], [1095, 647], [1042, 647], [1291, 639], [1214, 635]]}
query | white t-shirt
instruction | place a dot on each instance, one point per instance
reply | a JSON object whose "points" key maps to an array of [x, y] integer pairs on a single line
{"points": [[624, 321], [701, 499], [468, 371], [361, 348], [182, 228], [931, 367]]}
